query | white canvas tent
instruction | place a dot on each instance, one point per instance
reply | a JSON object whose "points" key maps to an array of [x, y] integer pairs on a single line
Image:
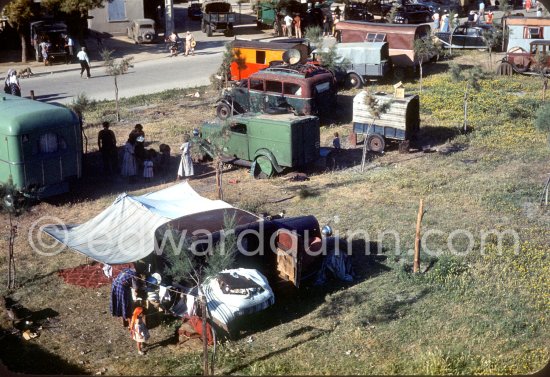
{"points": [[125, 231]]}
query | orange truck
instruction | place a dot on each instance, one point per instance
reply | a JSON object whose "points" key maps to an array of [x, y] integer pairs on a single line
{"points": [[252, 56]]}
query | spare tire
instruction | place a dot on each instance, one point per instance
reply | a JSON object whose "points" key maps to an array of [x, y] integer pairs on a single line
{"points": [[148, 37]]}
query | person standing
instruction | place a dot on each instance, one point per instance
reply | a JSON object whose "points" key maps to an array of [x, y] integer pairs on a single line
{"points": [[82, 57], [106, 141], [445, 22], [189, 43], [287, 31], [138, 329], [11, 84], [148, 171], [481, 8], [435, 18], [129, 168], [137, 136], [186, 164], [527, 5], [297, 25], [490, 16], [44, 50], [326, 26], [123, 288], [69, 49]]}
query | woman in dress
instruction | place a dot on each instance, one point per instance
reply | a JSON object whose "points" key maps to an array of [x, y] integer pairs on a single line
{"points": [[129, 168], [445, 22], [186, 164], [11, 85]]}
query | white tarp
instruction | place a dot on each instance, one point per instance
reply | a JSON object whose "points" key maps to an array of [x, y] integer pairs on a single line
{"points": [[125, 232]]}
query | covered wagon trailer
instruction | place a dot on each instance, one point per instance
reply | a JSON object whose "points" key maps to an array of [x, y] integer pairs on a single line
{"points": [[400, 122], [40, 146]]}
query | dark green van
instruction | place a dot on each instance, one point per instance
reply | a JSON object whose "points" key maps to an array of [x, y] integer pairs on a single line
{"points": [[40, 146], [268, 143]]}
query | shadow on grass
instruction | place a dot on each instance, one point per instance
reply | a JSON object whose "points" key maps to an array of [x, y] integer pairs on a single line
{"points": [[22, 356]]}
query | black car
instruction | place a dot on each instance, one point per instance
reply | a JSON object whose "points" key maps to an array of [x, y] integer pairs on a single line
{"points": [[413, 14], [466, 36], [194, 11], [358, 12], [441, 6]]}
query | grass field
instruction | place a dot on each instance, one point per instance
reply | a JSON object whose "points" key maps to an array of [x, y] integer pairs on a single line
{"points": [[479, 306]]}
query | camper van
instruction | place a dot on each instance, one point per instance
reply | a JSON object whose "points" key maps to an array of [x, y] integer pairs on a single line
{"points": [[40, 148], [252, 56], [400, 39], [521, 31]]}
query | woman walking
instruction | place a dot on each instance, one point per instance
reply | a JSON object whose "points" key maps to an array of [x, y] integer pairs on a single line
{"points": [[12, 85]]}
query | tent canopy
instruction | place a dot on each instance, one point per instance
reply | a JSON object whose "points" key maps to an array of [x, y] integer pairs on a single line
{"points": [[125, 231]]}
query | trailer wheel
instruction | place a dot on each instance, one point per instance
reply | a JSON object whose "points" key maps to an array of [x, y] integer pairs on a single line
{"points": [[223, 111], [262, 168], [209, 30], [353, 81], [376, 143]]}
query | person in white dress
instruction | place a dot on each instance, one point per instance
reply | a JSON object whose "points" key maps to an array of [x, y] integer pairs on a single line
{"points": [[186, 164], [129, 168]]}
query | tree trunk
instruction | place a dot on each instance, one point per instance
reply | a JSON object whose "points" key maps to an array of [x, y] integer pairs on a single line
{"points": [[420, 65], [416, 261], [116, 100], [466, 110], [23, 47]]}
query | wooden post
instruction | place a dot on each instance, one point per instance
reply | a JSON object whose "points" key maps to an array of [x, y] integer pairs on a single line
{"points": [[32, 94], [204, 336], [416, 265]]}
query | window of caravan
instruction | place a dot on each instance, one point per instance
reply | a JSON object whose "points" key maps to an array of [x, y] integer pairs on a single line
{"points": [[292, 89], [256, 85], [260, 57], [322, 87], [375, 37], [274, 86], [51, 143], [530, 32]]}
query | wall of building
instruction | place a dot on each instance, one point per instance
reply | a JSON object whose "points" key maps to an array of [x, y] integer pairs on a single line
{"points": [[114, 17]]}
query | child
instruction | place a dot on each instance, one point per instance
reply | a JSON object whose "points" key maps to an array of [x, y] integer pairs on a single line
{"points": [[336, 142], [138, 330], [148, 168]]}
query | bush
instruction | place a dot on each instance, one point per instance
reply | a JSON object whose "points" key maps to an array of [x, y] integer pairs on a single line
{"points": [[542, 120]]}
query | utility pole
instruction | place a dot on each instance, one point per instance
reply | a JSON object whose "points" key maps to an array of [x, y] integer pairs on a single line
{"points": [[168, 17]]}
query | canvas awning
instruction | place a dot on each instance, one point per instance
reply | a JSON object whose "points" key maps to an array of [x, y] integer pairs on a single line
{"points": [[125, 231]]}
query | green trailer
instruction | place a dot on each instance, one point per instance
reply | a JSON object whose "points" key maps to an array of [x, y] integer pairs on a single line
{"points": [[40, 146], [265, 142]]}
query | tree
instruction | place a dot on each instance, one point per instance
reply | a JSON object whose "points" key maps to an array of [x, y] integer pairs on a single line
{"points": [[376, 108], [542, 119], [76, 11], [492, 38], [471, 82], [115, 68], [505, 7], [330, 60], [187, 264], [390, 16], [19, 14], [221, 77], [540, 67], [424, 49]]}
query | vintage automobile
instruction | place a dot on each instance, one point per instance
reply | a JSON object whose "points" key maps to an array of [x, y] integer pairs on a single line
{"points": [[194, 10], [142, 30], [266, 13], [53, 32], [358, 12], [366, 60], [217, 16], [267, 143], [413, 14], [301, 89], [401, 122], [466, 36], [525, 62], [42, 146], [440, 6]]}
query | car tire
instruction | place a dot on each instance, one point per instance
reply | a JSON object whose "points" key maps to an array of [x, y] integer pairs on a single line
{"points": [[353, 81], [376, 143], [148, 37], [209, 30], [223, 111]]}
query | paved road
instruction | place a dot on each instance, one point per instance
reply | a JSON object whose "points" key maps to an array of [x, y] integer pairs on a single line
{"points": [[146, 77]]}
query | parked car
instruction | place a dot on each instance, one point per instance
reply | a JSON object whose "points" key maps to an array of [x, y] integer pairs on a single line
{"points": [[302, 89], [268, 142], [413, 14], [379, 7], [466, 36], [142, 30], [525, 62], [441, 6], [358, 12], [401, 122], [53, 32], [42, 146], [217, 16], [194, 10]]}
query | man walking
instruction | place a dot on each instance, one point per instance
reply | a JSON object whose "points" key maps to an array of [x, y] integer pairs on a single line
{"points": [[106, 141], [69, 49], [82, 57]]}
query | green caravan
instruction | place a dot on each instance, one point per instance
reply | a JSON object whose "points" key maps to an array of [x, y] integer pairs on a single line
{"points": [[40, 146]]}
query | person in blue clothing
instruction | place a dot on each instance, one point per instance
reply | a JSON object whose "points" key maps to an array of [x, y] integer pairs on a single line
{"points": [[445, 22]]}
